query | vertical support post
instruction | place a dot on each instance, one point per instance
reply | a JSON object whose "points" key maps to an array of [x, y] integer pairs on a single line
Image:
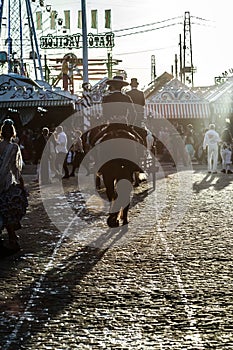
{"points": [[46, 69], [184, 55], [1, 11], [176, 69], [21, 65], [153, 68], [181, 61], [109, 65], [33, 35], [85, 51], [9, 40]]}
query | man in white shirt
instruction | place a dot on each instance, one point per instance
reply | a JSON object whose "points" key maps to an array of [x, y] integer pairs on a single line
{"points": [[61, 151], [211, 140]]}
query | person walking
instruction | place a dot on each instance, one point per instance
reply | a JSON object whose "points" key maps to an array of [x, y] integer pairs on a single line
{"points": [[61, 152], [189, 139], [138, 99], [227, 139], [43, 172], [211, 141], [79, 153], [226, 154], [13, 196], [179, 153]]}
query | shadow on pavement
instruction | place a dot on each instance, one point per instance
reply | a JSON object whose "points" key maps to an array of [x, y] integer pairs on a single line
{"points": [[209, 180], [53, 291]]}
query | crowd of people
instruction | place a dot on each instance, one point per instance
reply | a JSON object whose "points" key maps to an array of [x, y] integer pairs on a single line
{"points": [[206, 145], [63, 162], [32, 142], [49, 150]]}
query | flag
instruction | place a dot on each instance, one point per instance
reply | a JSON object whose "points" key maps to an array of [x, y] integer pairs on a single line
{"points": [[79, 19], [67, 19], [39, 20], [52, 20], [94, 19], [107, 18]]}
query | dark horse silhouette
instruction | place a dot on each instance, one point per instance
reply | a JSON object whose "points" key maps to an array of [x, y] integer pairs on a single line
{"points": [[117, 168]]}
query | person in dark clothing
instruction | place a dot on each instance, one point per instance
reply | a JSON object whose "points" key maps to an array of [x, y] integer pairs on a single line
{"points": [[138, 99], [39, 146], [121, 112], [226, 135], [40, 143], [179, 152], [189, 139], [227, 139], [79, 153]]}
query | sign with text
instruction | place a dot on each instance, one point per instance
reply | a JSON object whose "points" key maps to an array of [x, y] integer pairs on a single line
{"points": [[74, 41], [220, 80]]}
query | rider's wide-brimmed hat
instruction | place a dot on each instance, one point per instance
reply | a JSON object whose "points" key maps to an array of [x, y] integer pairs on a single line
{"points": [[118, 79]]}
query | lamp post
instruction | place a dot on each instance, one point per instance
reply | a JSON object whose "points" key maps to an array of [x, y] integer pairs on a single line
{"points": [[84, 34]]}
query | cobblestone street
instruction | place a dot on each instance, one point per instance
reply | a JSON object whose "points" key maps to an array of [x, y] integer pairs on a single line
{"points": [[165, 282]]}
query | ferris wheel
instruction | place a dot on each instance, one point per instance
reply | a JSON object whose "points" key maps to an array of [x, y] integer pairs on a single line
{"points": [[18, 43]]}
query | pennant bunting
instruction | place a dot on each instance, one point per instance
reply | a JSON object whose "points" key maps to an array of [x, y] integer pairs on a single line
{"points": [[107, 18], [67, 19], [94, 19], [79, 19], [39, 20], [52, 20]]}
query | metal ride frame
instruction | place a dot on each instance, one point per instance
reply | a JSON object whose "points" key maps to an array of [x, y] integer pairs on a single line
{"points": [[19, 34]]}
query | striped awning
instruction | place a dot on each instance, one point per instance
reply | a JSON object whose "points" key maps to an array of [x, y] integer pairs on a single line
{"points": [[222, 108], [34, 103], [178, 110]]}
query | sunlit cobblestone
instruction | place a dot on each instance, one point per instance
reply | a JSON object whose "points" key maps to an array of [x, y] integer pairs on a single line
{"points": [[158, 289]]}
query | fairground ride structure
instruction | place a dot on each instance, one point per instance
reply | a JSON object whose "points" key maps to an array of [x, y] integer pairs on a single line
{"points": [[19, 46]]}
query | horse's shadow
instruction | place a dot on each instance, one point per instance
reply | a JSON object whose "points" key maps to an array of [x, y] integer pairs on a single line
{"points": [[56, 289], [88, 215], [140, 196]]}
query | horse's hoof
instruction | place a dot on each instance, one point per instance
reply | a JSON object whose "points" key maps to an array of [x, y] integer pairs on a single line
{"points": [[112, 221], [125, 222]]}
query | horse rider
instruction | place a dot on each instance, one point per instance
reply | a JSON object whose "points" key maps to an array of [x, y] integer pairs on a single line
{"points": [[119, 114]]}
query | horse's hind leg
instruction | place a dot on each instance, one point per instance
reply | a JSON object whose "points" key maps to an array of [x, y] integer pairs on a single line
{"points": [[112, 220], [136, 179], [98, 181], [125, 215]]}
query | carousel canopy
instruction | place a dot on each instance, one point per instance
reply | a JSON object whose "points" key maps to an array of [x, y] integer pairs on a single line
{"points": [[25, 95]]}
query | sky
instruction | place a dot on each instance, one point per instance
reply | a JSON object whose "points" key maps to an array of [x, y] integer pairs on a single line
{"points": [[211, 34], [212, 47]]}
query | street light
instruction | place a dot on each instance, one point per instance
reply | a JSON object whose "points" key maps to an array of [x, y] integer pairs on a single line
{"points": [[84, 34]]}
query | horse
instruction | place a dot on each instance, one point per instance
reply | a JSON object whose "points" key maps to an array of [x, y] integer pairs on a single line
{"points": [[119, 168]]}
